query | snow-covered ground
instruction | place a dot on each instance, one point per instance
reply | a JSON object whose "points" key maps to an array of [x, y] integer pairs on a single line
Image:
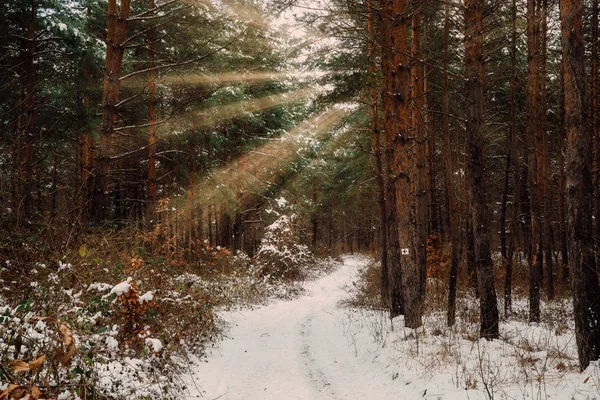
{"points": [[315, 348]]}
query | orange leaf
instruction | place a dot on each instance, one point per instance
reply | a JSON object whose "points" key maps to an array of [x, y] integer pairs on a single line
{"points": [[35, 393], [13, 392], [19, 366], [37, 364], [65, 335]]}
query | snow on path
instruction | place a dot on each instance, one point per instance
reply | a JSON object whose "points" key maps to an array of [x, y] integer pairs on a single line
{"points": [[313, 348], [290, 350]]}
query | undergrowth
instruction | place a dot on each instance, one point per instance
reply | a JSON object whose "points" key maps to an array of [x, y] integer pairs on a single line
{"points": [[117, 313], [529, 360]]}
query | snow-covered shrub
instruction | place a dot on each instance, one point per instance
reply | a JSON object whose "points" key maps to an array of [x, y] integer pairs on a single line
{"points": [[281, 255]]}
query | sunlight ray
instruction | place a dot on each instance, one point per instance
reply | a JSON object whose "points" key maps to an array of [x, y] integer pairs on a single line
{"points": [[254, 172], [214, 116]]}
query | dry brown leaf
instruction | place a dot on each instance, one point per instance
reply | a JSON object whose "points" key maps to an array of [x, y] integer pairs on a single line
{"points": [[19, 366], [35, 393], [65, 335], [37, 364], [13, 392]]}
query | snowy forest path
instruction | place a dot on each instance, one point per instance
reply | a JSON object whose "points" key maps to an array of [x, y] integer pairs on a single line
{"points": [[294, 349]]}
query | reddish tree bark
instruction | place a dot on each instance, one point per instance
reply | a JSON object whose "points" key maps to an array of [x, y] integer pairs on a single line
{"points": [[420, 172], [388, 94], [377, 162], [449, 178], [115, 38], [474, 112]]}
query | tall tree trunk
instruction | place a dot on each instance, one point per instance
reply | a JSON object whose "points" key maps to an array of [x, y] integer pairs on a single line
{"points": [[516, 167], [434, 216], [474, 110], [544, 166], [533, 133], [402, 170], [388, 21], [449, 177], [586, 290], [595, 118], [26, 183], [420, 150], [115, 38], [152, 128], [377, 162], [562, 183]]}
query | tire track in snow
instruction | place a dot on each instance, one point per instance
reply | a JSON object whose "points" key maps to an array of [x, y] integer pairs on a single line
{"points": [[315, 374], [276, 351]]}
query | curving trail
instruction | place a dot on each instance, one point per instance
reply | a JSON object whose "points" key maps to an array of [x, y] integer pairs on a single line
{"points": [[296, 349]]}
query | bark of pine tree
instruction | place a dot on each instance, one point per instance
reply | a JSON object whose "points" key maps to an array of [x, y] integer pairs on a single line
{"points": [[152, 127], [26, 123], [595, 118], [449, 177], [580, 195], [544, 165], [562, 181], [420, 172], [377, 162], [533, 139], [474, 112], [516, 167], [387, 95], [402, 168], [115, 39]]}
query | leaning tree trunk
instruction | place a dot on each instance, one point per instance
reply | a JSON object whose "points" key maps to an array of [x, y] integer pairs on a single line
{"points": [[474, 110], [586, 290]]}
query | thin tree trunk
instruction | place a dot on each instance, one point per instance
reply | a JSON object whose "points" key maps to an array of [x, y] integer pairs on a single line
{"points": [[377, 162], [595, 118], [152, 128], [533, 137], [562, 181], [30, 117], [420, 149], [586, 290], [544, 171], [449, 177], [516, 166]]}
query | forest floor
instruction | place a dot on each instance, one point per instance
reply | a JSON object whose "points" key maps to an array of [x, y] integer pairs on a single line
{"points": [[319, 347]]}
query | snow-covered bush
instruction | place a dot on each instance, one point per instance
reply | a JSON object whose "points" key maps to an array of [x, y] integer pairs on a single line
{"points": [[281, 255]]}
